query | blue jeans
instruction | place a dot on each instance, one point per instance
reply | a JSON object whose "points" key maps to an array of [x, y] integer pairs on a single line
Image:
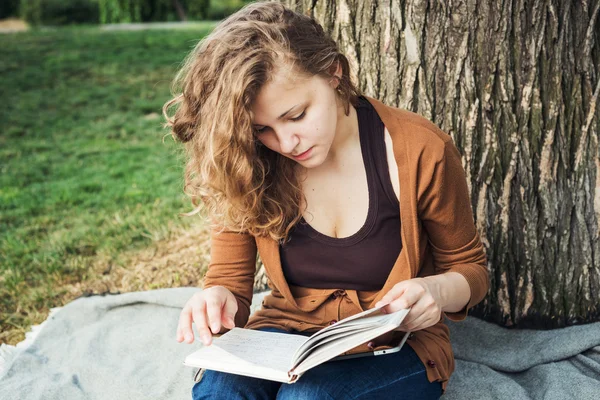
{"points": [[398, 375]]}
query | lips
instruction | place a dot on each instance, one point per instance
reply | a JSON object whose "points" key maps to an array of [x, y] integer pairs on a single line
{"points": [[303, 156], [298, 155]]}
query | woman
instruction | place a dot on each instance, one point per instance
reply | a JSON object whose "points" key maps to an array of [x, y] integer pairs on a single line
{"points": [[350, 203]]}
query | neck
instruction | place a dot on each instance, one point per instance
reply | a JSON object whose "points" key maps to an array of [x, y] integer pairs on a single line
{"points": [[346, 137]]}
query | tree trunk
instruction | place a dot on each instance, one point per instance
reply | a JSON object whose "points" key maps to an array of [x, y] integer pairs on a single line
{"points": [[180, 10], [516, 85]]}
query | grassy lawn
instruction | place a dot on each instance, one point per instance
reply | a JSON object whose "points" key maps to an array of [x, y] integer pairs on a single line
{"points": [[86, 171]]}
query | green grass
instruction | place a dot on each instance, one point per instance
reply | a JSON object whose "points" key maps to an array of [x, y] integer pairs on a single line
{"points": [[83, 167]]}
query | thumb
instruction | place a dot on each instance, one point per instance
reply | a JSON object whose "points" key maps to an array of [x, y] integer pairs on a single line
{"points": [[229, 311]]}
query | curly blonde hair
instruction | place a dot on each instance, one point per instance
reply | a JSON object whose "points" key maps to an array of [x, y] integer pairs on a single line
{"points": [[243, 185]]}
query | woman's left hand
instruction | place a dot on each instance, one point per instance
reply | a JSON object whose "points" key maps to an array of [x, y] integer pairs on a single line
{"points": [[423, 297]]}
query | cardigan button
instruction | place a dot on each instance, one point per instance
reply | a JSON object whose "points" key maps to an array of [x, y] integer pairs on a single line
{"points": [[431, 363], [410, 336], [338, 293], [333, 321]]}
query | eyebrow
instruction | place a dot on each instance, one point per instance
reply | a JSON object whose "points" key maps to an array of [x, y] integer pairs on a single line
{"points": [[282, 115]]}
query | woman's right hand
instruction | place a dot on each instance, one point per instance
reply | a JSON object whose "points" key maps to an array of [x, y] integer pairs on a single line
{"points": [[209, 309]]}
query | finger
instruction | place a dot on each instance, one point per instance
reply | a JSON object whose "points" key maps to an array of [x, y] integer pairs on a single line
{"points": [[421, 322], [214, 307], [228, 314], [408, 299], [416, 310], [199, 313], [184, 327], [420, 312], [395, 292], [411, 315]]}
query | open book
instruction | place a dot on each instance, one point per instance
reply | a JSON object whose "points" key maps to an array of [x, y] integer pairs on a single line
{"points": [[284, 357]]}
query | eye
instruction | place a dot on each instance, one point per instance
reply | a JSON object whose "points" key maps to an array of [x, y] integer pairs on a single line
{"points": [[264, 128], [258, 131], [299, 117]]}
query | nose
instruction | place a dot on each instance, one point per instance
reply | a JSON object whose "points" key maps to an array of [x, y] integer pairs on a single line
{"points": [[288, 141]]}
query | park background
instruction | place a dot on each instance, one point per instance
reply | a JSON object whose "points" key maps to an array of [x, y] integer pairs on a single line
{"points": [[91, 183]]}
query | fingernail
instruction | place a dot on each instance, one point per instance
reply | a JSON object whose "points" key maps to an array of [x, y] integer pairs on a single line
{"points": [[371, 345], [205, 339], [231, 321], [188, 337]]}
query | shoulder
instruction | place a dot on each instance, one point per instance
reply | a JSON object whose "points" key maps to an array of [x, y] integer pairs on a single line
{"points": [[412, 132], [417, 127]]}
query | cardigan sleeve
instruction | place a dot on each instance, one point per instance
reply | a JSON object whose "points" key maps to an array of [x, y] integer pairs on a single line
{"points": [[233, 265], [445, 211]]}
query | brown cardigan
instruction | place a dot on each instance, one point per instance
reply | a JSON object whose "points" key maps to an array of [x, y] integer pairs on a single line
{"points": [[438, 236]]}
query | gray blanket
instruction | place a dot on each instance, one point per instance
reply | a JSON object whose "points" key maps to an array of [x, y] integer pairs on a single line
{"points": [[123, 347]]}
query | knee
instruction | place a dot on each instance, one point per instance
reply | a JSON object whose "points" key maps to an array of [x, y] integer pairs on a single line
{"points": [[214, 385], [303, 391]]}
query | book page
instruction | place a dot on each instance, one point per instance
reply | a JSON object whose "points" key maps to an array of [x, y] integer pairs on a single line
{"points": [[370, 319], [213, 358], [315, 341], [333, 348], [269, 349], [374, 325], [373, 313], [305, 350]]}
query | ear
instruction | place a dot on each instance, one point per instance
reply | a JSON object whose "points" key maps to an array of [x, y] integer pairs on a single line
{"points": [[338, 70], [337, 75]]}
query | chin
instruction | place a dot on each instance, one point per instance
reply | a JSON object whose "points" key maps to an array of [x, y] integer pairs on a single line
{"points": [[313, 162]]}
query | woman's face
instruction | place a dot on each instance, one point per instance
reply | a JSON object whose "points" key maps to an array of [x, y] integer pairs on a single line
{"points": [[296, 115]]}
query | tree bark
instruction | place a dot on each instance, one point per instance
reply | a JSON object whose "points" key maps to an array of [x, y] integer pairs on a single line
{"points": [[516, 85]]}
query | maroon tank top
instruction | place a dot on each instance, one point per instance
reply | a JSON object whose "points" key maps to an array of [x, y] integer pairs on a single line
{"points": [[364, 260]]}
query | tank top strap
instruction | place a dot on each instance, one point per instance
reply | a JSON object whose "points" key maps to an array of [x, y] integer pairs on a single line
{"points": [[375, 128]]}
